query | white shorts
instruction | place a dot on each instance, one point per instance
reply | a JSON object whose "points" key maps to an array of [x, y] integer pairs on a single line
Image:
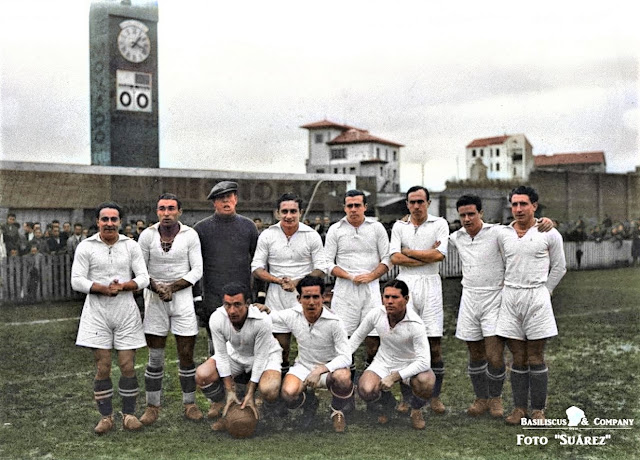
{"points": [[381, 369], [478, 314], [116, 326], [526, 314], [274, 362], [302, 372], [352, 302], [425, 297], [278, 299], [177, 315]]}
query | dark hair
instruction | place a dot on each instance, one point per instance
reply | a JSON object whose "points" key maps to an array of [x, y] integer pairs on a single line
{"points": [[108, 205], [310, 281], [11, 215], [525, 190], [466, 200], [355, 192], [171, 196], [397, 284], [77, 224], [235, 288], [289, 197], [416, 188]]}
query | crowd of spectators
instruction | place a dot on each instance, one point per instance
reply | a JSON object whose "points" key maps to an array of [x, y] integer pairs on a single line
{"points": [[56, 238], [606, 230]]}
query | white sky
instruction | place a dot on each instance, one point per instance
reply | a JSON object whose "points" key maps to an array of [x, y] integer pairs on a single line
{"points": [[237, 79]]}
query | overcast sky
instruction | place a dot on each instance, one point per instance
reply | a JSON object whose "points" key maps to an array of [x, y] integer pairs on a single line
{"points": [[237, 79]]}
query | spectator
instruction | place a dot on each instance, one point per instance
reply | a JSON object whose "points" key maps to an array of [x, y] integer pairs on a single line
{"points": [[56, 243], [39, 241], [11, 233], [27, 227], [74, 240], [33, 262], [140, 226], [66, 232]]}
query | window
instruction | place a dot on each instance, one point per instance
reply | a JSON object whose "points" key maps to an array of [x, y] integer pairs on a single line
{"points": [[490, 153], [395, 156], [338, 154], [335, 170], [352, 170], [482, 152], [473, 153], [319, 138], [344, 170], [320, 171], [497, 166], [497, 152], [381, 170]]}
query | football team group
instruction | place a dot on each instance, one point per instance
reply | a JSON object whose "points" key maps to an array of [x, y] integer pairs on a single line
{"points": [[207, 275]]}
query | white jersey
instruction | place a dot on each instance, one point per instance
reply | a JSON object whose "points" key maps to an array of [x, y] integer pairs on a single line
{"points": [[250, 346], [482, 261], [357, 250], [323, 342], [294, 257], [404, 347], [536, 259], [182, 261], [97, 262], [422, 237]]}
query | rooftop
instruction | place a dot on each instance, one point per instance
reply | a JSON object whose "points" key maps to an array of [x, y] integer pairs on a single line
{"points": [[559, 159]]}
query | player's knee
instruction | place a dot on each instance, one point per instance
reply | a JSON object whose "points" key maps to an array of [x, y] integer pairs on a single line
{"points": [[269, 388], [340, 380], [289, 394], [423, 383], [368, 390], [204, 375]]}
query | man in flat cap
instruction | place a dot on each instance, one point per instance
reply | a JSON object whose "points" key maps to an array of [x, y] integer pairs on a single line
{"points": [[228, 241]]}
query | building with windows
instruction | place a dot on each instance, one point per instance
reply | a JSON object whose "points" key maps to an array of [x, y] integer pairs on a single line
{"points": [[343, 149], [505, 157], [582, 161]]}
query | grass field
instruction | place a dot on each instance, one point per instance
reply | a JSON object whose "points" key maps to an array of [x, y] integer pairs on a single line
{"points": [[47, 411]]}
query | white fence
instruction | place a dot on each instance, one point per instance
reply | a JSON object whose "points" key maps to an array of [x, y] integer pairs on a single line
{"points": [[46, 278]]}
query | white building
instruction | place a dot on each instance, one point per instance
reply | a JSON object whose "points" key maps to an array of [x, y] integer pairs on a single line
{"points": [[504, 157], [342, 149]]}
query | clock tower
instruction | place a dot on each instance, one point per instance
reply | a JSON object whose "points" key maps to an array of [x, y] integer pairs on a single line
{"points": [[124, 84]]}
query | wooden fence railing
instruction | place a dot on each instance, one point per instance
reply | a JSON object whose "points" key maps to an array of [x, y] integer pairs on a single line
{"points": [[43, 278]]}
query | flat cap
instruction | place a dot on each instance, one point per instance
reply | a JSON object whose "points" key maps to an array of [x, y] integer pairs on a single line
{"points": [[221, 188]]}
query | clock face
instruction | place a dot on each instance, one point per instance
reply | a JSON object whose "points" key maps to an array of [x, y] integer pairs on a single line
{"points": [[134, 44]]}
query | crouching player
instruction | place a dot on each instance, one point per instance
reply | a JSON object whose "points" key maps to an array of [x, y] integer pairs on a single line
{"points": [[323, 355], [244, 344], [403, 355]]}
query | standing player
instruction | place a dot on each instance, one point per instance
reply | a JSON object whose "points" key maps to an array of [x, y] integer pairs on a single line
{"points": [[534, 265], [403, 355], [172, 253], [244, 344], [286, 252], [357, 249], [323, 354], [228, 241], [102, 269], [482, 282], [418, 246]]}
